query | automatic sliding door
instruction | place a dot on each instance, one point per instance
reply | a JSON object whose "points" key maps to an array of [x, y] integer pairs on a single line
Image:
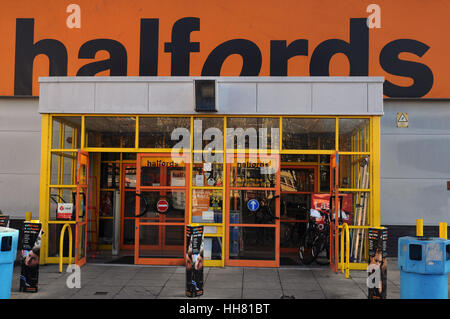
{"points": [[253, 211], [161, 201]]}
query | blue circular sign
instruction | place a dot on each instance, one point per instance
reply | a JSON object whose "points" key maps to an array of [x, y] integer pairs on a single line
{"points": [[253, 205]]}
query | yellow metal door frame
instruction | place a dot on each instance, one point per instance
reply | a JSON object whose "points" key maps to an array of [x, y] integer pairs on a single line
{"points": [[370, 137]]}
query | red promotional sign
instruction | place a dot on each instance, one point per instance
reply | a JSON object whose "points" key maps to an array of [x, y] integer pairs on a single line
{"points": [[322, 202], [162, 206]]}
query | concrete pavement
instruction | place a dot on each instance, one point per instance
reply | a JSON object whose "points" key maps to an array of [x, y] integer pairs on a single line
{"points": [[100, 281]]}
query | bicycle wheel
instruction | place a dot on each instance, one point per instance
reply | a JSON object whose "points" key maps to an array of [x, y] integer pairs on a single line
{"points": [[321, 251], [306, 247]]}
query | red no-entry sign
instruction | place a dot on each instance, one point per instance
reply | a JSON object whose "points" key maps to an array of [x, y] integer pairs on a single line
{"points": [[162, 206]]}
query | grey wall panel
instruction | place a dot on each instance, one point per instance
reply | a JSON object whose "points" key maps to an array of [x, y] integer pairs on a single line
{"points": [[79, 96], [23, 152], [20, 140], [415, 156], [415, 163], [339, 98], [235, 95], [284, 98], [19, 194], [128, 97], [374, 103], [405, 200], [175, 97], [45, 99], [20, 114], [237, 98], [425, 117]]}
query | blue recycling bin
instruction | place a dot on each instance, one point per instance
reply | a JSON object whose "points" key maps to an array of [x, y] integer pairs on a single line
{"points": [[424, 264], [8, 250]]}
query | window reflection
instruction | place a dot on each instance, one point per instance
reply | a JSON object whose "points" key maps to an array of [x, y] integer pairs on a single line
{"points": [[309, 133]]}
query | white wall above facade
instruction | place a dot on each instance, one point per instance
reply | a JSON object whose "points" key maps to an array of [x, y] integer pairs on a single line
{"points": [[235, 95]]}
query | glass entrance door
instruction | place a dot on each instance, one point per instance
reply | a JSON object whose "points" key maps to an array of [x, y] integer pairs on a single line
{"points": [[161, 215], [128, 208], [252, 221], [297, 184], [81, 203]]}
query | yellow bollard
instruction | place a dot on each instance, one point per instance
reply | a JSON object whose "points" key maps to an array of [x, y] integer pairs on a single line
{"points": [[443, 230], [28, 216], [419, 227]]}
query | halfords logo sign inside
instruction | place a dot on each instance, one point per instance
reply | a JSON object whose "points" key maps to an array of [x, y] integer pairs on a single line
{"points": [[213, 40]]}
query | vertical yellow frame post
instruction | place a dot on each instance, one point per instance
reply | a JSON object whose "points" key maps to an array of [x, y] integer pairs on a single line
{"points": [[44, 182], [375, 219]]}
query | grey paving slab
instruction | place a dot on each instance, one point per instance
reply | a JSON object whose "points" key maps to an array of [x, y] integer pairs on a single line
{"points": [[297, 277], [57, 290], [226, 270], [157, 269], [305, 285], [221, 293], [48, 268], [223, 283], [225, 273], [305, 293], [19, 295], [138, 292], [173, 293], [150, 275], [225, 276], [153, 282], [97, 292], [393, 292], [261, 276], [363, 287], [393, 283], [261, 271], [358, 274], [90, 276], [298, 283], [113, 281], [110, 273], [177, 280], [114, 275], [342, 290], [394, 277], [269, 283], [252, 293], [295, 271]]}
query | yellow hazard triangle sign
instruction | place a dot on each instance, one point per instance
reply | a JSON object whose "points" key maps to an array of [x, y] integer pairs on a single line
{"points": [[402, 120]]}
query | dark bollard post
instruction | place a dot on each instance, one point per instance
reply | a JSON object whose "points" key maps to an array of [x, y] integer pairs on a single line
{"points": [[194, 261]]}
